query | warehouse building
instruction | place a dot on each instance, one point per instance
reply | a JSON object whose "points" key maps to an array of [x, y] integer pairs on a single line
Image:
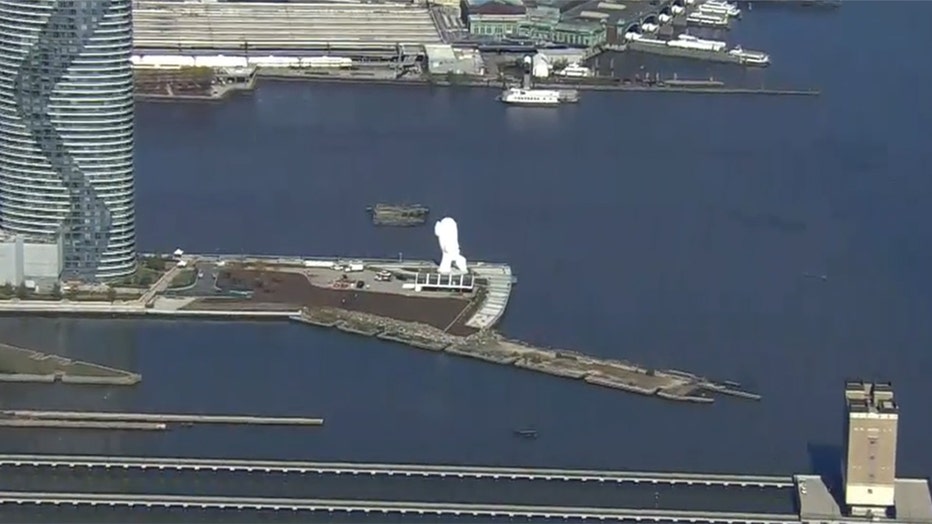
{"points": [[574, 34], [31, 260], [493, 18], [443, 59]]}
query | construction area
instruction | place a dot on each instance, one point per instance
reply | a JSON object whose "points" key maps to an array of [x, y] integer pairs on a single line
{"points": [[276, 27]]}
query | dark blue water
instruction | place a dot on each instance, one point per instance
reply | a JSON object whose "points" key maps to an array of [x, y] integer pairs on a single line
{"points": [[669, 230]]}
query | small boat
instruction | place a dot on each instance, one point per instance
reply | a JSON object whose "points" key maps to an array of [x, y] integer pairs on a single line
{"points": [[526, 433]]}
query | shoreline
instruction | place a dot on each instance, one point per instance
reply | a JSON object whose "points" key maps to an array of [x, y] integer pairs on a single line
{"points": [[491, 84], [486, 345], [674, 86]]}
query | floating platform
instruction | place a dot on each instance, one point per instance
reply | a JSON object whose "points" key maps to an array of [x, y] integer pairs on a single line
{"points": [[398, 215], [24, 365]]}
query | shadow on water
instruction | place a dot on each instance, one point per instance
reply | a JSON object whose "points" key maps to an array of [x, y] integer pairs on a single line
{"points": [[825, 460]]}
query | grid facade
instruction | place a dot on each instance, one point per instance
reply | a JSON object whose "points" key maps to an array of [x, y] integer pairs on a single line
{"points": [[66, 129], [870, 447]]}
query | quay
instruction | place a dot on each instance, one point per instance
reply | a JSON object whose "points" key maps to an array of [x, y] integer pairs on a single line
{"points": [[458, 319]]}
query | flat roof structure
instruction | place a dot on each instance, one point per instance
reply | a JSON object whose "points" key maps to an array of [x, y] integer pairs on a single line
{"points": [[159, 24], [818, 504], [444, 281], [611, 12]]}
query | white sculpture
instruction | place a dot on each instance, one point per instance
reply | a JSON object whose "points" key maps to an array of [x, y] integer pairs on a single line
{"points": [[448, 237]]}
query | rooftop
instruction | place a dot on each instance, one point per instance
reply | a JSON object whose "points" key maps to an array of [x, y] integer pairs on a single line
{"points": [[611, 11], [913, 502], [480, 3], [160, 25], [870, 397], [6, 236]]}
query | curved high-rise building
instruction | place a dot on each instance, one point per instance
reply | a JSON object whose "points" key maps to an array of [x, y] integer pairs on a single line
{"points": [[66, 129]]}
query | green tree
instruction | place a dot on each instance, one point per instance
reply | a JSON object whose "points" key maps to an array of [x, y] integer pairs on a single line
{"points": [[56, 291], [22, 292], [7, 291], [111, 295]]}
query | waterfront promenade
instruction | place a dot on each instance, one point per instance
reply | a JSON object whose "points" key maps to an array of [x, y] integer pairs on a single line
{"points": [[236, 485], [145, 486]]}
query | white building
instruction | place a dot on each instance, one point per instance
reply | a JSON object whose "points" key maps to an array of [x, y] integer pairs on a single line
{"points": [[32, 260]]}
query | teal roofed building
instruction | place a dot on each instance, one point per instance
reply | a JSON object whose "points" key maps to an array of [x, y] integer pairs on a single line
{"points": [[495, 18], [574, 34]]}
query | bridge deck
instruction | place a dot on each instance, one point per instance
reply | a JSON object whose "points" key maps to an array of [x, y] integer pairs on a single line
{"points": [[367, 506], [90, 461], [397, 488]]}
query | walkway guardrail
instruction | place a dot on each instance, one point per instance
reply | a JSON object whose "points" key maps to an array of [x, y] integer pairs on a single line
{"points": [[354, 506], [424, 470]]}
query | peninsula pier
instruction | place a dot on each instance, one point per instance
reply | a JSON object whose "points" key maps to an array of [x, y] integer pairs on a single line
{"points": [[410, 302], [868, 491]]}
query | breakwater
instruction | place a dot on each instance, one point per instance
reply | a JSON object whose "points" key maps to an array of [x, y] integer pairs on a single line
{"points": [[491, 346], [25, 365], [24, 418]]}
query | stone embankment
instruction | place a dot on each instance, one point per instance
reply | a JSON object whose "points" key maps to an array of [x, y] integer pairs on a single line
{"points": [[24, 365], [492, 347]]}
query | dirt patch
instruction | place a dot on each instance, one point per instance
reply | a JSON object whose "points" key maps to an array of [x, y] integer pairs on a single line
{"points": [[275, 287]]}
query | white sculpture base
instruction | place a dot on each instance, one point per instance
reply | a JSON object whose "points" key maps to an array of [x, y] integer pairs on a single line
{"points": [[448, 261]]}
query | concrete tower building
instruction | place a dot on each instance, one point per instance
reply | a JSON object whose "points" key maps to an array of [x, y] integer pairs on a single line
{"points": [[66, 130], [870, 448]]}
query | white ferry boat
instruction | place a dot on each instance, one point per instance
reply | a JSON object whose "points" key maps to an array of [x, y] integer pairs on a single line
{"points": [[751, 57], [719, 7], [530, 97], [692, 42]]}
